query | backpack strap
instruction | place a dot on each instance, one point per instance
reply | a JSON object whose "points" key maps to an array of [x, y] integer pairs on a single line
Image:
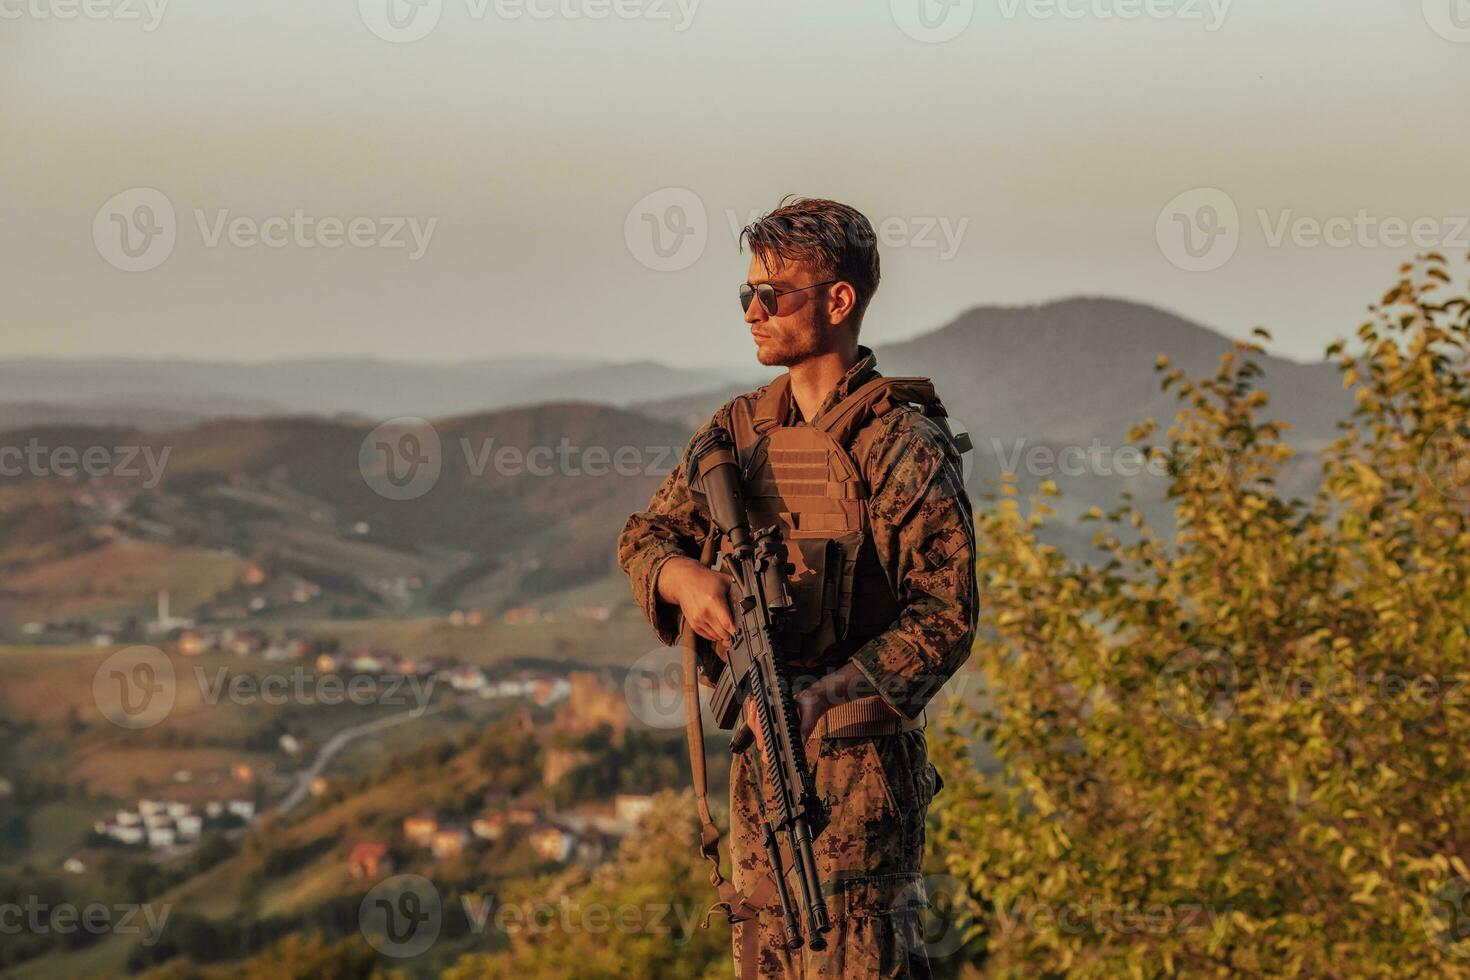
{"points": [[847, 421]]}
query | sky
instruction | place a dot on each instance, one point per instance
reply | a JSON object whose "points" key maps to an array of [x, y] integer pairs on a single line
{"points": [[442, 180]]}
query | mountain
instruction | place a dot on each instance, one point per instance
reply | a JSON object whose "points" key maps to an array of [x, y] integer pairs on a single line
{"points": [[1068, 371], [529, 499], [527, 503]]}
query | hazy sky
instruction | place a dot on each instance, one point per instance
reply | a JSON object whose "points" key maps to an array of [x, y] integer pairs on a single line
{"points": [[535, 148]]}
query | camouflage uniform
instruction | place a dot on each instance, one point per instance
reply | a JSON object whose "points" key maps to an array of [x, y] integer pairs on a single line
{"points": [[877, 787]]}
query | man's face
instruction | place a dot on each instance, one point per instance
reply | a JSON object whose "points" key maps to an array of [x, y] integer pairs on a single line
{"points": [[800, 328]]}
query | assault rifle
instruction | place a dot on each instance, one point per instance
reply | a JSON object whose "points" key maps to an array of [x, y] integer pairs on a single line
{"points": [[757, 562]]}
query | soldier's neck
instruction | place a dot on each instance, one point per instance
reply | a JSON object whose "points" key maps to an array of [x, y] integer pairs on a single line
{"points": [[813, 379]]}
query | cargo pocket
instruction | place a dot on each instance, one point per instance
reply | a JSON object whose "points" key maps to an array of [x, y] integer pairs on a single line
{"points": [[928, 783]]}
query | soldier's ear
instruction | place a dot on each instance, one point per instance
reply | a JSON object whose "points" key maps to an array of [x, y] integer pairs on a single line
{"points": [[841, 301]]}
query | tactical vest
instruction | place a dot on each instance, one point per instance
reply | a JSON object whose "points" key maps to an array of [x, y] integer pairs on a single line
{"points": [[810, 479]]}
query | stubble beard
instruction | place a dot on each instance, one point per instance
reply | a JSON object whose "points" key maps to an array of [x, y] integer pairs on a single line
{"points": [[787, 351]]}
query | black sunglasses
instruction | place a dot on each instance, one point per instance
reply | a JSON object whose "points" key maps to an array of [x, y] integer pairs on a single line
{"points": [[768, 294]]}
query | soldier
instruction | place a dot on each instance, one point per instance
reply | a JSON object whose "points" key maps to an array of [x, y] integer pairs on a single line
{"points": [[882, 538]]}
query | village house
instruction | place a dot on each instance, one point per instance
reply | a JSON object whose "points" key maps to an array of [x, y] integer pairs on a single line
{"points": [[369, 859], [467, 678], [244, 809], [489, 827], [419, 830], [552, 843], [448, 843], [632, 807]]}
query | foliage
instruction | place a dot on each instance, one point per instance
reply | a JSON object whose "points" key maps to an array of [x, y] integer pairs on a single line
{"points": [[636, 916], [1239, 752]]}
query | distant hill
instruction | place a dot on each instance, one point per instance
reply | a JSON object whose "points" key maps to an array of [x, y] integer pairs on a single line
{"points": [[146, 393], [1048, 390], [1068, 371], [501, 526]]}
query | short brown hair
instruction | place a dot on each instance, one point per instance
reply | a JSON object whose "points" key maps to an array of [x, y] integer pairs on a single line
{"points": [[834, 239]]}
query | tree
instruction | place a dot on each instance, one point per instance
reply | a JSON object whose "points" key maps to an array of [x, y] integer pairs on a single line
{"points": [[1240, 751], [636, 916]]}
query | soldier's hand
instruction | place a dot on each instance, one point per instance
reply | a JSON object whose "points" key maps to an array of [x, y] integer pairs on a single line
{"points": [[703, 595]]}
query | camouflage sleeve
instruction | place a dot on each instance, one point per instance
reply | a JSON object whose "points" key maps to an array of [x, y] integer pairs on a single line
{"points": [[924, 532], [671, 526]]}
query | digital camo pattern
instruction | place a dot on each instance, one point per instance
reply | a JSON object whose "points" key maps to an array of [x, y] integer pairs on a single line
{"points": [[877, 790], [923, 532]]}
